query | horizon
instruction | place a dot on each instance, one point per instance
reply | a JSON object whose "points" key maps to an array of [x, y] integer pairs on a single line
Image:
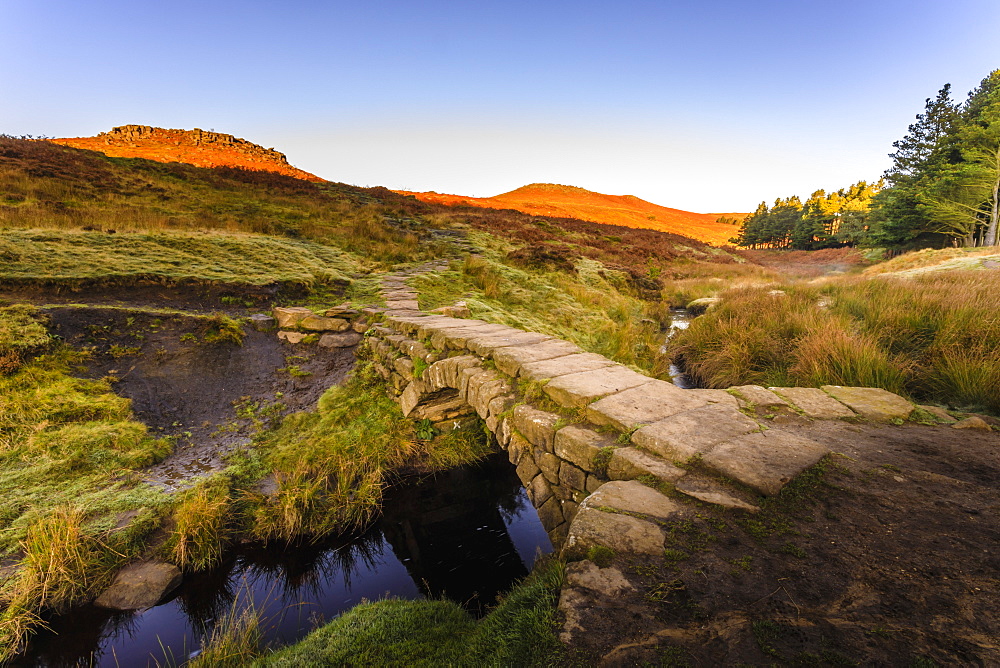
{"points": [[712, 108]]}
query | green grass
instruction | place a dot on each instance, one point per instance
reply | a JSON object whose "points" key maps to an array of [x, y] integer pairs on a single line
{"points": [[64, 257], [69, 449], [593, 306], [520, 631]]}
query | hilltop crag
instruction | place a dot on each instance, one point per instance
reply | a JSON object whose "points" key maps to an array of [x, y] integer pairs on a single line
{"points": [[196, 147]]}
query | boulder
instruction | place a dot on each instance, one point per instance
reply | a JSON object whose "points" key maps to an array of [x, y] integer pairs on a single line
{"points": [[140, 586], [290, 316], [973, 422], [262, 322], [699, 306], [621, 533]]}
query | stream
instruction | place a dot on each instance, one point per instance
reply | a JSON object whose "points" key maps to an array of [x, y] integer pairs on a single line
{"points": [[467, 534], [680, 318]]}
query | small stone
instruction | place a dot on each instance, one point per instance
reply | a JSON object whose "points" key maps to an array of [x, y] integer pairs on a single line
{"points": [[292, 337], [262, 322], [345, 340], [140, 586], [572, 477], [972, 423]]}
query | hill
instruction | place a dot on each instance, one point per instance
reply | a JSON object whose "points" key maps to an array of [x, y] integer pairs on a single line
{"points": [[548, 199], [195, 147]]}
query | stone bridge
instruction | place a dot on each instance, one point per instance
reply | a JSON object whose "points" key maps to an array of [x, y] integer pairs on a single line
{"points": [[596, 443]]}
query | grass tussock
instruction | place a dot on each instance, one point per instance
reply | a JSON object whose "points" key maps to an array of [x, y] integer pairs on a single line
{"points": [[201, 523], [234, 641], [520, 631], [22, 333], [934, 337]]}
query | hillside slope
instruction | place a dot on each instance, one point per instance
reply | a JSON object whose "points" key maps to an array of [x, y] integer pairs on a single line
{"points": [[548, 199], [194, 147]]}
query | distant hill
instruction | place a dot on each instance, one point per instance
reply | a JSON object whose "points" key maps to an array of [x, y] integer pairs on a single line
{"points": [[194, 147], [551, 200]]}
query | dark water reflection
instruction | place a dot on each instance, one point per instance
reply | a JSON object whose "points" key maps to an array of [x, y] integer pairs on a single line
{"points": [[466, 535]]}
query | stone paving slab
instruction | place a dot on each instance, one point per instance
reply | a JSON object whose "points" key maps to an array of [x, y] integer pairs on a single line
{"points": [[579, 445], [509, 360], [759, 397], [485, 345], [631, 496], [871, 402], [622, 533], [577, 390], [765, 461], [631, 463], [693, 432], [710, 492], [645, 404], [562, 366], [454, 338], [715, 397], [814, 402]]}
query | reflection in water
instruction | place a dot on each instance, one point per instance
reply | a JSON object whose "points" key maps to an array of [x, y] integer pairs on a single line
{"points": [[466, 534]]}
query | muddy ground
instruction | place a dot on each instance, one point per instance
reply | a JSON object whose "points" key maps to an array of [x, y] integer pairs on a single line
{"points": [[891, 559], [211, 396]]}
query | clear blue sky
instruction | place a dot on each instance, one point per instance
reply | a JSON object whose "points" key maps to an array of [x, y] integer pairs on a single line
{"points": [[710, 105]]}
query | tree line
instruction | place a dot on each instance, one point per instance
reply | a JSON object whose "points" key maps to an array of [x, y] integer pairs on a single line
{"points": [[942, 188]]}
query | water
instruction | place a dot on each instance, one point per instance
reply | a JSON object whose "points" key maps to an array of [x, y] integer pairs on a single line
{"points": [[680, 318], [466, 534]]}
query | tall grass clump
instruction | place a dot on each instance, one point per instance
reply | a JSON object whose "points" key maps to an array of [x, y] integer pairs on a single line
{"points": [[235, 639], [22, 333], [201, 523], [934, 336]]}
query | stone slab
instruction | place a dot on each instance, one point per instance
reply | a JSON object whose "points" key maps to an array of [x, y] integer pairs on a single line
{"points": [[630, 463], [765, 461], [631, 496], [693, 432], [759, 396], [645, 404], [579, 445], [872, 403], [562, 366], [485, 345], [715, 397], [344, 340], [940, 414], [509, 360], [621, 533], [713, 493], [458, 337], [577, 390], [814, 402], [292, 337]]}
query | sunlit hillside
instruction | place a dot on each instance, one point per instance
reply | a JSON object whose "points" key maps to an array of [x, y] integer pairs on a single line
{"points": [[548, 199]]}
